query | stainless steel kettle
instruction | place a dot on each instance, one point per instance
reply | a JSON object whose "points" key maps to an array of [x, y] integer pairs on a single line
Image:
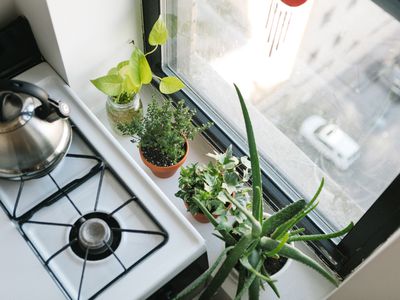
{"points": [[35, 133]]}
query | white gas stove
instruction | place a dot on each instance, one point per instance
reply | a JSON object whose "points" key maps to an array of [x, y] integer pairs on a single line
{"points": [[97, 224]]}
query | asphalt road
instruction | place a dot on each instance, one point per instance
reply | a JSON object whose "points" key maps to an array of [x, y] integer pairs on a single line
{"points": [[365, 109]]}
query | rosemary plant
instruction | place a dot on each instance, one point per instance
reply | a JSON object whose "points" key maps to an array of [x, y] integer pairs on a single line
{"points": [[267, 237]]}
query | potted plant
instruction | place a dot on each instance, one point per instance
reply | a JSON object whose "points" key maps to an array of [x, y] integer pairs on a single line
{"points": [[265, 237], [163, 135], [123, 82], [208, 183]]}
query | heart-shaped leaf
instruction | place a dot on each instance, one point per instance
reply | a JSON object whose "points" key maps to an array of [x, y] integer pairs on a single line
{"points": [[159, 33], [113, 71], [110, 84], [170, 85], [145, 71]]}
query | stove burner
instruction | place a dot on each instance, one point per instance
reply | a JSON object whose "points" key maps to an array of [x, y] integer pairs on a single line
{"points": [[95, 235]]}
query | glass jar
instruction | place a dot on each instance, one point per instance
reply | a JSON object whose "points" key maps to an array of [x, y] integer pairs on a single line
{"points": [[123, 113]]}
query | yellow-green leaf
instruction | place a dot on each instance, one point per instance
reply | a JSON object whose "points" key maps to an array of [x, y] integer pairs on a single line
{"points": [[144, 70], [170, 85], [122, 64], [134, 66], [159, 33], [113, 71], [110, 85]]}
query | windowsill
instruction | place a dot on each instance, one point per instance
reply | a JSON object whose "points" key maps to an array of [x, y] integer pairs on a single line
{"points": [[297, 282]]}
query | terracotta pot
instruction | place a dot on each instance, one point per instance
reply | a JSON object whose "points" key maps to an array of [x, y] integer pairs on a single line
{"points": [[200, 217], [164, 172]]}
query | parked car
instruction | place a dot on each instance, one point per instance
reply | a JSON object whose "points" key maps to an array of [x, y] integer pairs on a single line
{"points": [[332, 142]]}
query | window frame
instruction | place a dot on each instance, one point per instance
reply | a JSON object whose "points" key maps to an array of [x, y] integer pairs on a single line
{"points": [[374, 227]]}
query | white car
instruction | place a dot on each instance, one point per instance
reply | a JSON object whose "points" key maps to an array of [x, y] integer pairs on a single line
{"points": [[330, 141]]}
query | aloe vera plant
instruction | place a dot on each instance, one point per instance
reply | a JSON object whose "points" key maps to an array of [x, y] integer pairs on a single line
{"points": [[267, 237]]}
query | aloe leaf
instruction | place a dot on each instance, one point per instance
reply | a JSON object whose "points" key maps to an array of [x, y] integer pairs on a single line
{"points": [[282, 216], [159, 33], [254, 260], [317, 237], [245, 263], [170, 85], [288, 251], [110, 84], [285, 227], [227, 236], [296, 232], [201, 279], [249, 280], [255, 163], [223, 272], [242, 277], [282, 243]]}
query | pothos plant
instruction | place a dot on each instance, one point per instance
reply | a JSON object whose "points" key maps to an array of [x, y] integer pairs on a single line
{"points": [[161, 134], [126, 79], [265, 237], [207, 183]]}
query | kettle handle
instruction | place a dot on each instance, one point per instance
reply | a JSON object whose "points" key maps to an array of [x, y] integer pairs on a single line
{"points": [[19, 86]]}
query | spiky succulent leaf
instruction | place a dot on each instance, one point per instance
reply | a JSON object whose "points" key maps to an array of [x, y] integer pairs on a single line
{"points": [[317, 237], [247, 283], [203, 278], [282, 216], [255, 163], [223, 272], [288, 251]]}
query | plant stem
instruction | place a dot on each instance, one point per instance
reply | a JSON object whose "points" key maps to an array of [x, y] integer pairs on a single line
{"points": [[256, 225], [150, 52]]}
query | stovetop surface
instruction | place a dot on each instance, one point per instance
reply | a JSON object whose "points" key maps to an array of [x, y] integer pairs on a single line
{"points": [[166, 255]]}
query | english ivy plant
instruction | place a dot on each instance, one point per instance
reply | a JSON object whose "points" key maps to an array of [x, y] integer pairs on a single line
{"points": [[265, 237], [208, 184], [127, 78]]}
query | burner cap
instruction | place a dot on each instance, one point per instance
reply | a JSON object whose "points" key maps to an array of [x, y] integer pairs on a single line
{"points": [[93, 233], [90, 231]]}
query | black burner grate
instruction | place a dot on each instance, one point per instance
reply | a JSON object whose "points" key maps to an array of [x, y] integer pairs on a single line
{"points": [[87, 254]]}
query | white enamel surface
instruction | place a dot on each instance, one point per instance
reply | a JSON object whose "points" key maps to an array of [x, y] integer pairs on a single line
{"points": [[146, 277]]}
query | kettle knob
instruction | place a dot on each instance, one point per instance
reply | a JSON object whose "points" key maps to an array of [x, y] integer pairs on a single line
{"points": [[18, 86], [10, 106]]}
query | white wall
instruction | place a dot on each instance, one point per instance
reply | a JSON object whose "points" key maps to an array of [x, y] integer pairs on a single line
{"points": [[38, 15], [82, 40], [377, 278], [7, 12], [93, 36]]}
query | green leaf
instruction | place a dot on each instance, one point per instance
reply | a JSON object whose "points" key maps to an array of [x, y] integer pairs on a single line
{"points": [[317, 237], [200, 280], [122, 64], [255, 163], [288, 251], [282, 216], [145, 71], [138, 67], [159, 33], [245, 263], [170, 85], [113, 71], [110, 84], [223, 272]]}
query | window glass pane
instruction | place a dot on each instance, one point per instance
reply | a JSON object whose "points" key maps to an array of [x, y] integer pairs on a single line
{"points": [[322, 81]]}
